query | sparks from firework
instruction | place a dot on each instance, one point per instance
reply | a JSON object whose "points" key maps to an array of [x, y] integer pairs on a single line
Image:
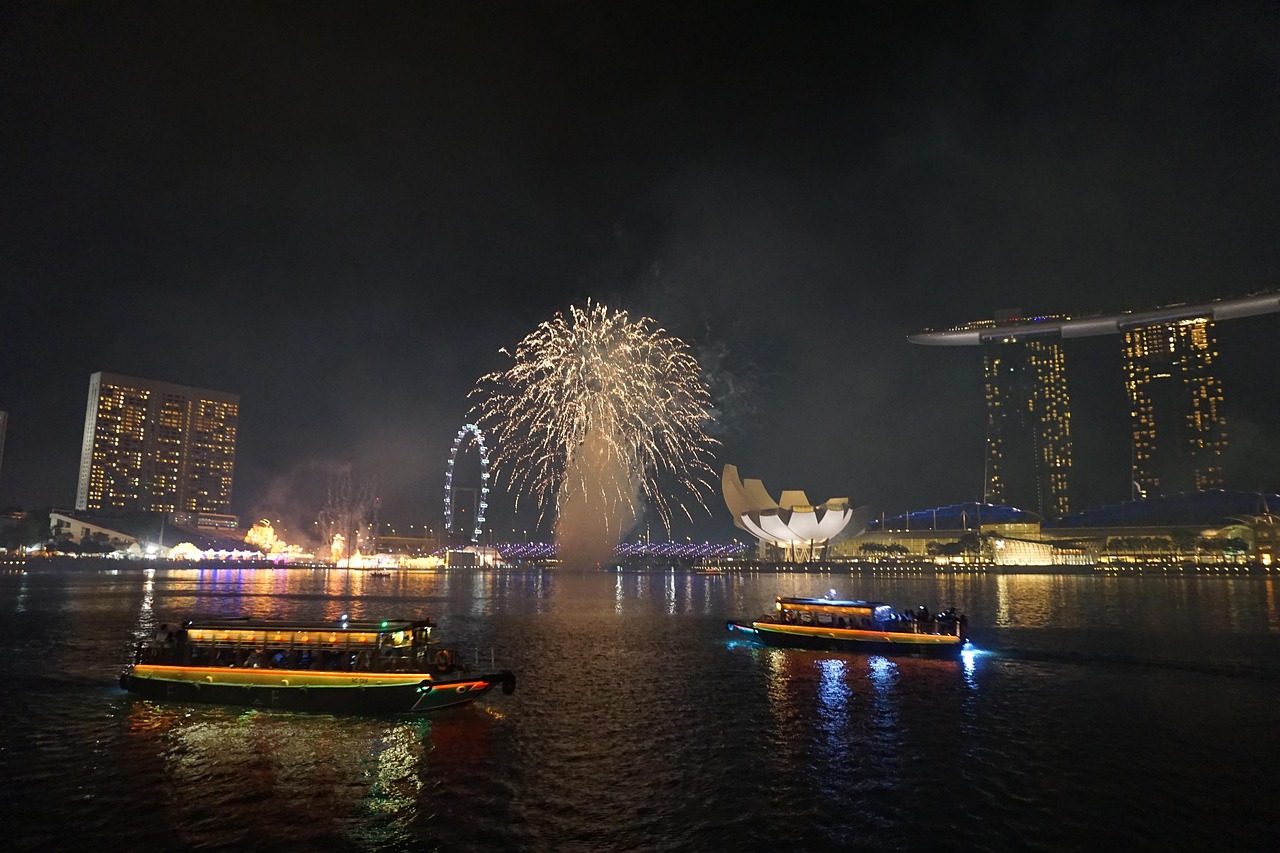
{"points": [[595, 411]]}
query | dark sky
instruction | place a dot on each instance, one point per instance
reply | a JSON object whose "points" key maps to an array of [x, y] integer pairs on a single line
{"points": [[342, 211]]}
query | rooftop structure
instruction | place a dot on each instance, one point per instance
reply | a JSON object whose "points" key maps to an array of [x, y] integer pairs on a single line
{"points": [[1013, 330], [1210, 508], [970, 515]]}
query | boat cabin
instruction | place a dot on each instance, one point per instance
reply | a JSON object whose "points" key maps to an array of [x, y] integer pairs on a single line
{"points": [[826, 613], [398, 645]]}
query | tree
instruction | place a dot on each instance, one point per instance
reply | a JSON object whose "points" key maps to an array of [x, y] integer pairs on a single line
{"points": [[1183, 541], [26, 532]]}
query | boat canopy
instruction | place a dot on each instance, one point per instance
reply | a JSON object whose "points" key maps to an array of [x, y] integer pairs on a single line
{"points": [[373, 634], [876, 610], [827, 602]]}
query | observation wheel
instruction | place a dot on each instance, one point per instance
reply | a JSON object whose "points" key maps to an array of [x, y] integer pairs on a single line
{"points": [[449, 497]]}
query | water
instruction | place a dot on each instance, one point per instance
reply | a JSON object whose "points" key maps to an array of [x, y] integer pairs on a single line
{"points": [[1113, 713]]}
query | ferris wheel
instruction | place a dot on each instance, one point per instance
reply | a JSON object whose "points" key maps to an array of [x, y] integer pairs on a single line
{"points": [[449, 496]]}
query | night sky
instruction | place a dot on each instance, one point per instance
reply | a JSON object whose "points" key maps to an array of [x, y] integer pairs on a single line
{"points": [[342, 211]]}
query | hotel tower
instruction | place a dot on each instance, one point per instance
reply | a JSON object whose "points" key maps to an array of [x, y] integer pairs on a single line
{"points": [[156, 447], [1178, 432], [1028, 427], [1175, 404]]}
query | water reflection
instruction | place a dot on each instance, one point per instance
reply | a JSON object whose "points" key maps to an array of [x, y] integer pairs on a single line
{"points": [[681, 737], [833, 690], [883, 674], [834, 693], [20, 603], [145, 624], [969, 660], [312, 776]]}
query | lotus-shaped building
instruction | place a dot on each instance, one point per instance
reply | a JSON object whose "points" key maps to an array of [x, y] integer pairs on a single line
{"points": [[800, 528]]}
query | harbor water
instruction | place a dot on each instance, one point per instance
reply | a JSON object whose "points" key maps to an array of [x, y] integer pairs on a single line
{"points": [[1124, 713]]}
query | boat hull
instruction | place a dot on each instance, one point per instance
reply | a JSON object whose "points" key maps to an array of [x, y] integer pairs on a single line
{"points": [[848, 640], [303, 690]]}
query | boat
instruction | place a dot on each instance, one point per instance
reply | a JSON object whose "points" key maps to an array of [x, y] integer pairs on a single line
{"points": [[379, 573], [347, 666], [858, 626]]}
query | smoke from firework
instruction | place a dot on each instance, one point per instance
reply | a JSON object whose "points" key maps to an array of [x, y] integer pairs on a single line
{"points": [[594, 412], [348, 519]]}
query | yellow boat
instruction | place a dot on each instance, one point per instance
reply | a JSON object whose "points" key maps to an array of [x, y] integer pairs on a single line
{"points": [[346, 666], [859, 626]]}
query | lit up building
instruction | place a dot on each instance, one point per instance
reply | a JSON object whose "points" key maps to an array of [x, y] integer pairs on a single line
{"points": [[1028, 413], [1179, 432], [156, 447], [1028, 462], [790, 528]]}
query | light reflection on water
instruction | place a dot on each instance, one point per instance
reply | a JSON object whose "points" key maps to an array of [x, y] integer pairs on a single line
{"points": [[640, 723], [319, 774]]}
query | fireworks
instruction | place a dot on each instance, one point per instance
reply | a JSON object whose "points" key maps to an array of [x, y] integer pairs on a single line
{"points": [[263, 535], [595, 411]]}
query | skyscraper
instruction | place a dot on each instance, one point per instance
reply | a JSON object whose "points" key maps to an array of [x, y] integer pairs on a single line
{"points": [[1178, 430], [156, 447], [1028, 461], [1175, 405]]}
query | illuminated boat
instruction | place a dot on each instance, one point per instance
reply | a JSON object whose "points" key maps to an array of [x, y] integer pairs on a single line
{"points": [[857, 626], [334, 667]]}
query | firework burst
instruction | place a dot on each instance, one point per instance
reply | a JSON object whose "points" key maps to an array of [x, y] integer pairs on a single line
{"points": [[595, 412]]}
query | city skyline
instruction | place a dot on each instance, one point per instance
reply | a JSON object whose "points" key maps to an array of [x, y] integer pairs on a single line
{"points": [[344, 216]]}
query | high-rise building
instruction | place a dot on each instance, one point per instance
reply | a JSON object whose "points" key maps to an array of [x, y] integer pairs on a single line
{"points": [[1028, 426], [1178, 430], [1175, 403], [156, 447]]}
